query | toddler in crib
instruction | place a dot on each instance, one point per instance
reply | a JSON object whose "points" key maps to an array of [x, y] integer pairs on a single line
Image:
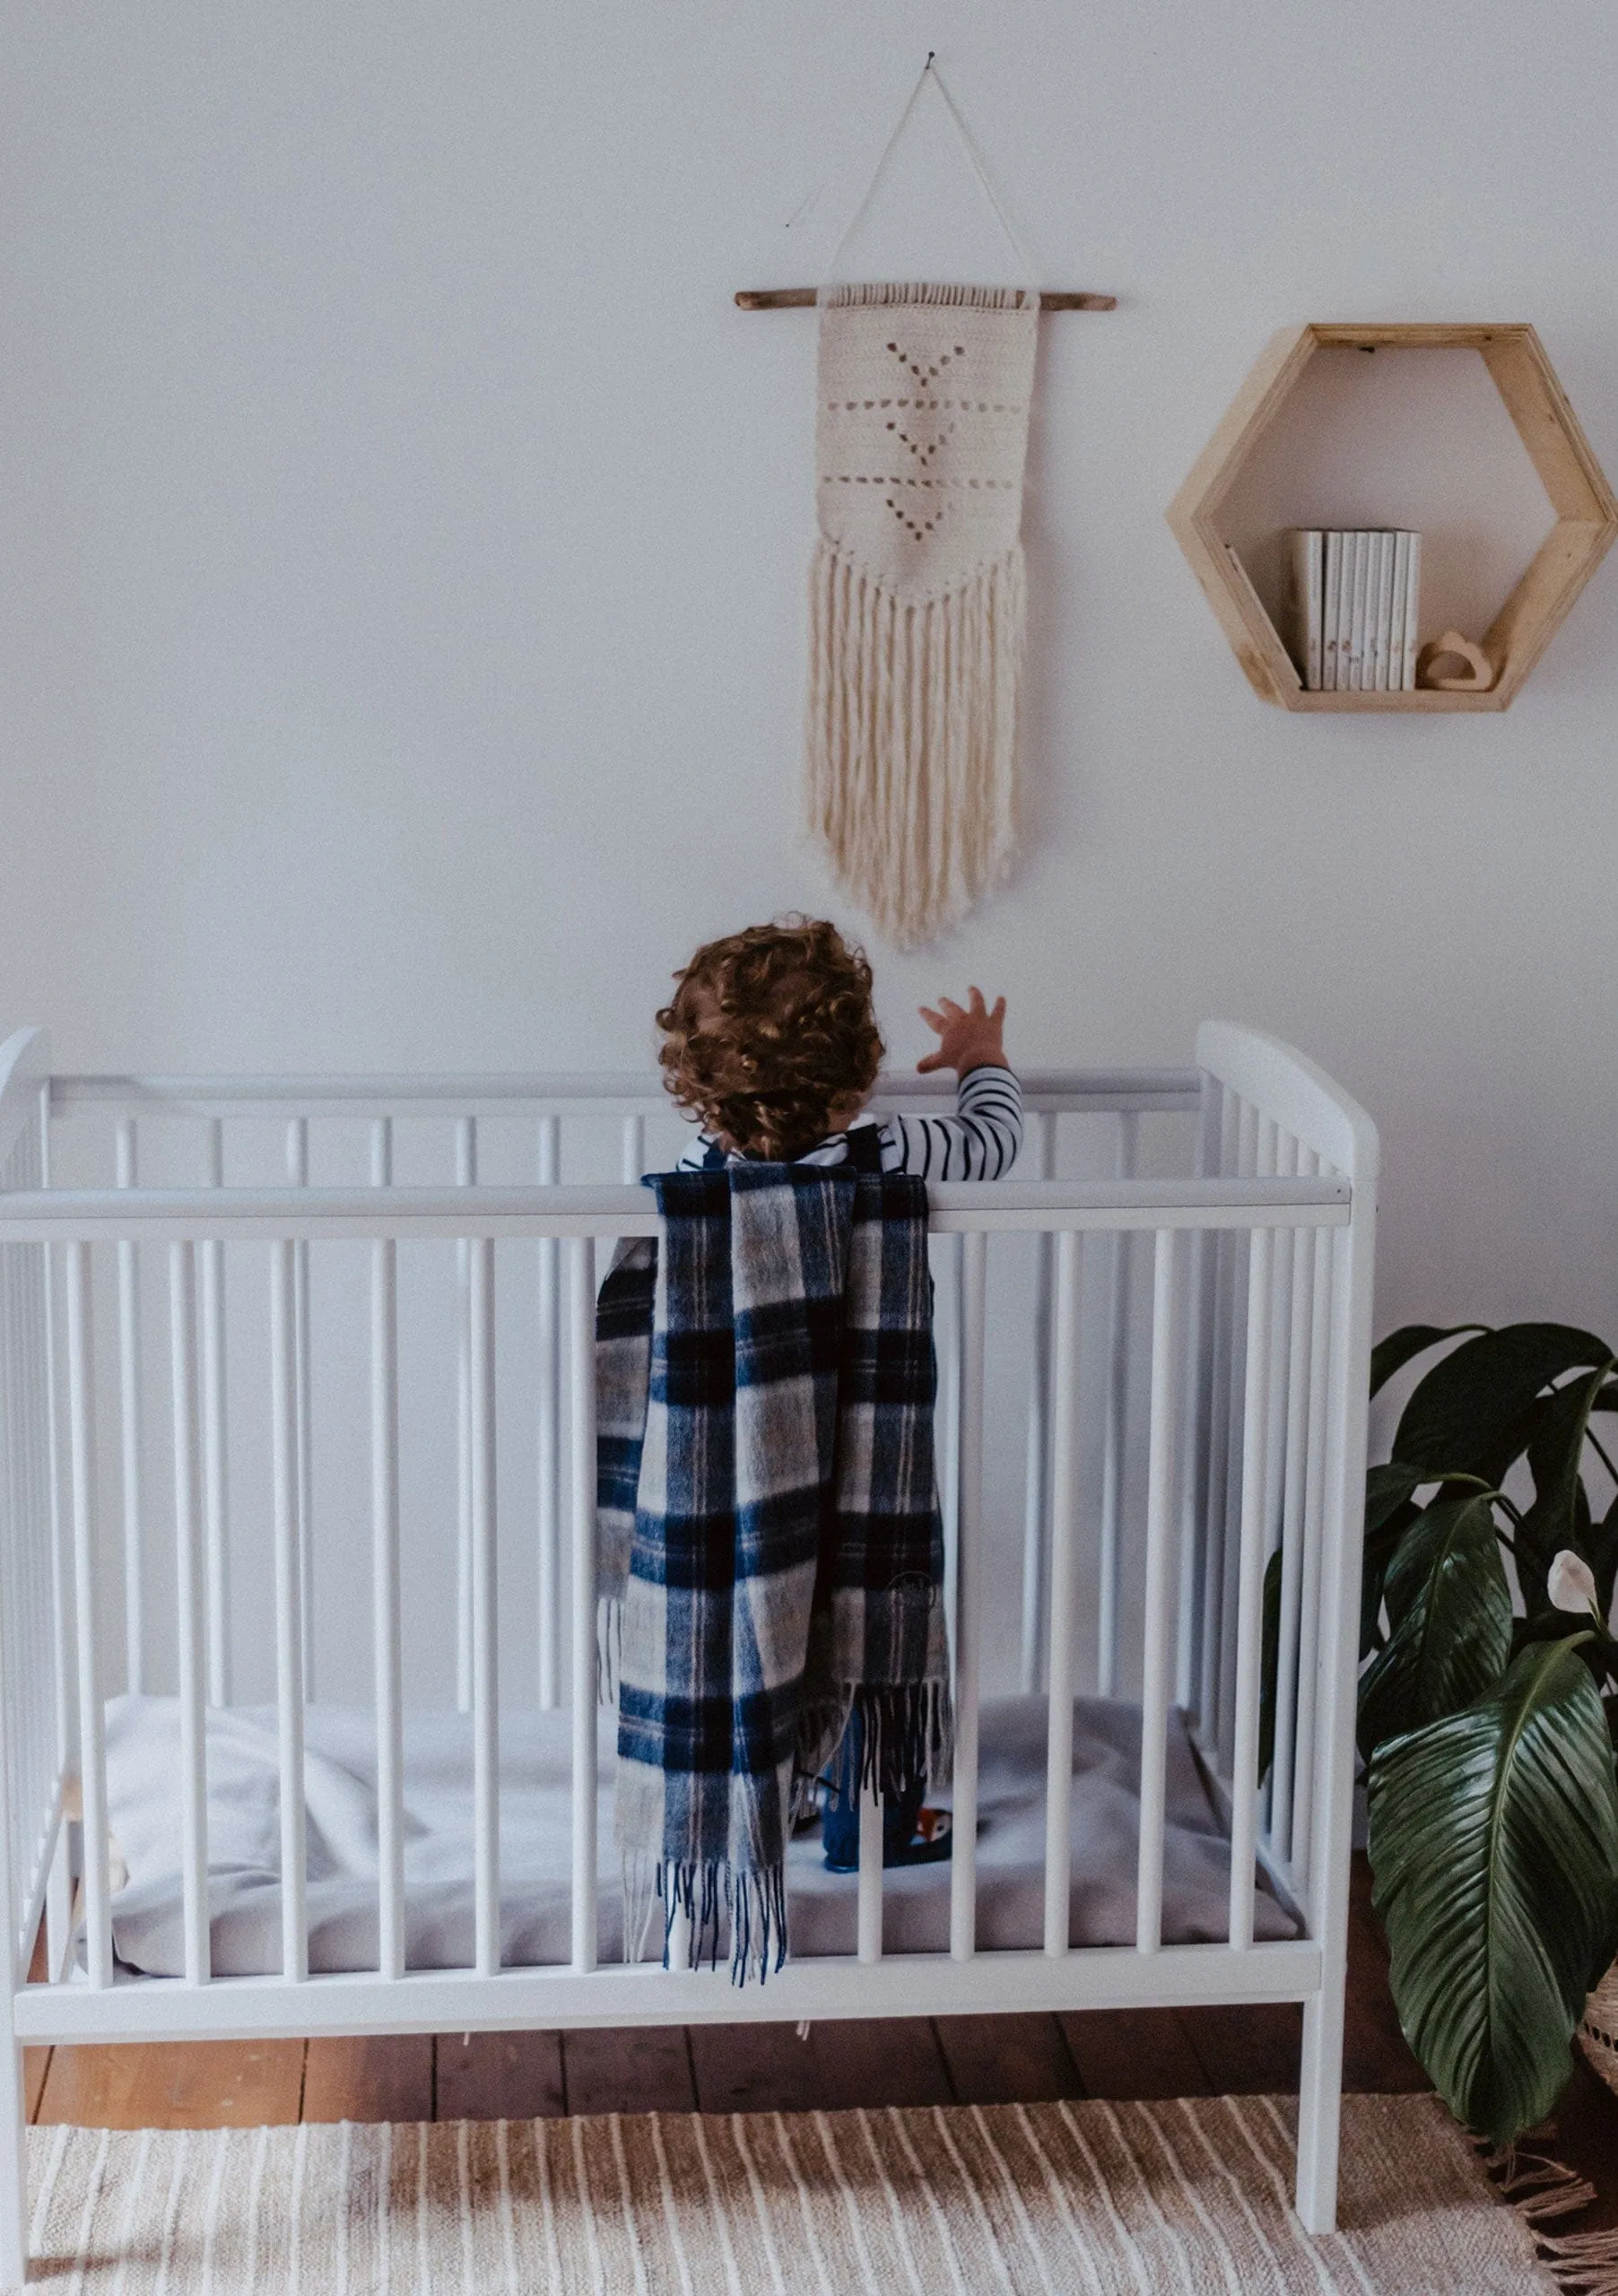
{"points": [[771, 1042]]}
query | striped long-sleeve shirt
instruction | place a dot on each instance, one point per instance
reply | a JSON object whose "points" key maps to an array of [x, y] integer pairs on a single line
{"points": [[979, 1142]]}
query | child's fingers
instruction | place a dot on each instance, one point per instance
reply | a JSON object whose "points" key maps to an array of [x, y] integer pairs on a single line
{"points": [[930, 1061], [934, 1020], [975, 1003], [949, 1005], [998, 1014]]}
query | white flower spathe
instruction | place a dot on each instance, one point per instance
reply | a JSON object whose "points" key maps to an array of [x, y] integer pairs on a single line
{"points": [[1571, 1584]]}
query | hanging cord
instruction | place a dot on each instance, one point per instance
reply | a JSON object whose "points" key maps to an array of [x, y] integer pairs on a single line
{"points": [[929, 71]]}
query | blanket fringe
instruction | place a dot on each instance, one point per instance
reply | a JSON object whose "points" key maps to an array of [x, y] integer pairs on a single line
{"points": [[753, 1906], [907, 1735], [609, 1648], [910, 739]]}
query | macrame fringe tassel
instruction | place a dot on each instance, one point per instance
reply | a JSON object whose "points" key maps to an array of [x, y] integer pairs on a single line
{"points": [[911, 777]]}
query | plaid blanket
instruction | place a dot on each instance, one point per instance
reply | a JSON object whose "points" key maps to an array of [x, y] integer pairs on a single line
{"points": [[770, 1553]]}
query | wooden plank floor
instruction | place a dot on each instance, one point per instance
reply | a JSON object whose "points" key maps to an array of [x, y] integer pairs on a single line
{"points": [[743, 2068]]}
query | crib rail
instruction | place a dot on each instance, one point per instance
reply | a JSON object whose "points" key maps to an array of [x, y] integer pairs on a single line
{"points": [[1055, 1092]]}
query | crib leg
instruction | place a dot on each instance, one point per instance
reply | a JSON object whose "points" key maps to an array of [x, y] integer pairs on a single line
{"points": [[1321, 2108], [13, 2175]]}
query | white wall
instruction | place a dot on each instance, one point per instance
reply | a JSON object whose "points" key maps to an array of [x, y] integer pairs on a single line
{"points": [[405, 541]]}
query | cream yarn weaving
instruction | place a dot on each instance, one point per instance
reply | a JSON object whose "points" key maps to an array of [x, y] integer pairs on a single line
{"points": [[916, 614]]}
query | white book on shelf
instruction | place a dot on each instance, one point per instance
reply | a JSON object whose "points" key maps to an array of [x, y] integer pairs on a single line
{"points": [[1307, 570], [1345, 616], [1331, 610], [1412, 606], [1397, 593], [1373, 560], [1357, 613], [1382, 646]]}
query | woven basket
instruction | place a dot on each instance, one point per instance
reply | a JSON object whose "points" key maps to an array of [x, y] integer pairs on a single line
{"points": [[1598, 2034]]}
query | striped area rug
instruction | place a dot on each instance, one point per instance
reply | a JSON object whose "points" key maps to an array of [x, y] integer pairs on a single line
{"points": [[961, 2201]]}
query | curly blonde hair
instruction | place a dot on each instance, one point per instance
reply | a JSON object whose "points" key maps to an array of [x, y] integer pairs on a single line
{"points": [[768, 1032]]}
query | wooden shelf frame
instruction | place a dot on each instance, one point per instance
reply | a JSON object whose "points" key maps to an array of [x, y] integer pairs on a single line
{"points": [[1586, 507]]}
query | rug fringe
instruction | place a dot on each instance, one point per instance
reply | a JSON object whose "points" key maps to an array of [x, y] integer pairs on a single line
{"points": [[1540, 2189], [1584, 2262]]}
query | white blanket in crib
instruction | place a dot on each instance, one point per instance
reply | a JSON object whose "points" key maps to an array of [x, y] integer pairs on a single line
{"points": [[142, 1770]]}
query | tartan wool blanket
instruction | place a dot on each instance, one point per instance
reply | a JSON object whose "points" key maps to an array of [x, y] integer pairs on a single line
{"points": [[771, 1556]]}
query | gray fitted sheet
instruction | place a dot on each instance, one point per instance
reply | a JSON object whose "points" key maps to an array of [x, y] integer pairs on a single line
{"points": [[142, 1770]]}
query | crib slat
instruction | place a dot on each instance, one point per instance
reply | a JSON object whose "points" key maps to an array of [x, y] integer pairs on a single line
{"points": [[191, 1587], [298, 1173], [290, 1613], [1237, 1463], [1314, 1534], [213, 1266], [1223, 1250], [466, 1176], [1154, 1669], [129, 1425], [1282, 1162], [869, 1930], [632, 1150], [1196, 1420], [381, 1152], [385, 1607], [61, 1529], [1064, 1592], [947, 1424], [485, 1689], [964, 1849], [1297, 1247], [549, 1461], [1036, 1486], [581, 1356], [676, 1948], [1113, 1427], [92, 1744], [43, 1350], [1249, 1593]]}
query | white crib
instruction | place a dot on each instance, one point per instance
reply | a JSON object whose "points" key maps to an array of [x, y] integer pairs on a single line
{"points": [[1227, 1293]]}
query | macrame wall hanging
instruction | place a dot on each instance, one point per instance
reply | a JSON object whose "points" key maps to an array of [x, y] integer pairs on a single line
{"points": [[916, 617], [916, 590]]}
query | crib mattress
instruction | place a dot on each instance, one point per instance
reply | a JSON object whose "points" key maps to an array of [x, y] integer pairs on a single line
{"points": [[142, 1766]]}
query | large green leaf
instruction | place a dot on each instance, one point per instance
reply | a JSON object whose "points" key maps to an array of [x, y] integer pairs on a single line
{"points": [[1392, 1354], [1390, 1511], [1604, 1558], [1386, 1488], [1560, 1515], [1449, 1612], [1494, 1852], [1475, 1412]]}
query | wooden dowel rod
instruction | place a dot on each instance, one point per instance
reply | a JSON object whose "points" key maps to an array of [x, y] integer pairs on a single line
{"points": [[792, 299]]}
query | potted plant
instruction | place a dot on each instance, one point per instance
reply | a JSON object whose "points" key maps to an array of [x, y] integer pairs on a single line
{"points": [[1489, 1706]]}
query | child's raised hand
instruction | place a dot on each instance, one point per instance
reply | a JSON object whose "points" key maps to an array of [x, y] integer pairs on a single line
{"points": [[968, 1039]]}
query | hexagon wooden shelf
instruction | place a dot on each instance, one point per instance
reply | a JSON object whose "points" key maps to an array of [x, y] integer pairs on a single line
{"points": [[1587, 512]]}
